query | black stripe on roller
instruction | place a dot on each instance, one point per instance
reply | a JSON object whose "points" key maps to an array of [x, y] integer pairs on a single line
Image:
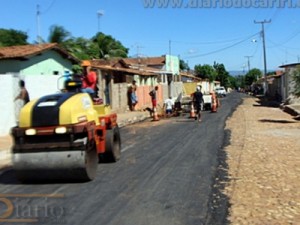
{"points": [[46, 111]]}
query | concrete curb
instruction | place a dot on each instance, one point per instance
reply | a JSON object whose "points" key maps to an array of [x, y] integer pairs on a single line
{"points": [[132, 120]]}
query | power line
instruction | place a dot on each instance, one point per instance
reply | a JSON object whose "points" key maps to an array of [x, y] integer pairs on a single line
{"points": [[210, 42], [49, 7], [222, 49]]}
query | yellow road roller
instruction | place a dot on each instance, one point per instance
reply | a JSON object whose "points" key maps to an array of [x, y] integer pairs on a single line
{"points": [[63, 136]]}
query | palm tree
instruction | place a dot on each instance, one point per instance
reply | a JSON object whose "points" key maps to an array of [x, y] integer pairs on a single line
{"points": [[109, 47], [58, 34]]}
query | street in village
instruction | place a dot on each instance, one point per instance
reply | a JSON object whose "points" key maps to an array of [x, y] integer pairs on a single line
{"points": [[238, 166]]}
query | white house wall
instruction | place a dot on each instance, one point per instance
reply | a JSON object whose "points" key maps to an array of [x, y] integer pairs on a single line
{"points": [[8, 107], [37, 86]]}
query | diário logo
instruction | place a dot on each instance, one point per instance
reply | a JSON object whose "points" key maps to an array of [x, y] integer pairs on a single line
{"points": [[8, 208]]}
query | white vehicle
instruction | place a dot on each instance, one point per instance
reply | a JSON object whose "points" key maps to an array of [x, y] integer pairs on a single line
{"points": [[186, 102], [221, 91], [206, 102]]}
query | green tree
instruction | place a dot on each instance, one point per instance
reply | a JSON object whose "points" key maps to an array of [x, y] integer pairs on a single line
{"points": [[252, 76], [296, 79], [233, 82], [183, 66], [109, 47], [12, 37], [241, 81], [82, 48], [205, 72], [58, 34], [221, 74]]}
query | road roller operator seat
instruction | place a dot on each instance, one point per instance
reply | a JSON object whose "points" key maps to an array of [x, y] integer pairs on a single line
{"points": [[73, 85]]}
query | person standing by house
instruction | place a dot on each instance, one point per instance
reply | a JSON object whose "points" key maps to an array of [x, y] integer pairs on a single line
{"points": [[153, 95], [197, 100], [23, 95], [132, 97], [89, 79]]}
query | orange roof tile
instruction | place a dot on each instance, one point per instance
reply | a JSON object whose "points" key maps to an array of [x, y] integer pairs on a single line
{"points": [[149, 61], [22, 51], [117, 64]]}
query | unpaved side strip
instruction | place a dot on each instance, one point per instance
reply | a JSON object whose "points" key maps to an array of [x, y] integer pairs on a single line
{"points": [[264, 166]]}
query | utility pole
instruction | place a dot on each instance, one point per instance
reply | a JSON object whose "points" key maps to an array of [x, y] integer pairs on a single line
{"points": [[38, 37], [248, 61], [99, 14], [264, 51], [170, 76]]}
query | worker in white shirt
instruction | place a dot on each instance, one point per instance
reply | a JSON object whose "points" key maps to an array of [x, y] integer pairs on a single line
{"points": [[169, 104]]}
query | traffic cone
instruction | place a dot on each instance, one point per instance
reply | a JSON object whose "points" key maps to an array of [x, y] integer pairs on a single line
{"points": [[192, 113], [155, 115], [213, 103]]}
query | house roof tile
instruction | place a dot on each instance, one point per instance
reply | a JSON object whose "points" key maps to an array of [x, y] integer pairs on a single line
{"points": [[116, 65], [149, 61], [24, 51]]}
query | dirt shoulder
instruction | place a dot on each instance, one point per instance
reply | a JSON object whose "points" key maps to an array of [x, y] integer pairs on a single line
{"points": [[263, 159], [5, 153]]}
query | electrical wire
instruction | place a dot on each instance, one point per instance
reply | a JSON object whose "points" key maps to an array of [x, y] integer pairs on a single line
{"points": [[207, 43], [222, 49], [276, 45], [49, 7]]}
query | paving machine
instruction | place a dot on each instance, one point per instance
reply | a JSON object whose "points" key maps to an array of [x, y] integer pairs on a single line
{"points": [[63, 136]]}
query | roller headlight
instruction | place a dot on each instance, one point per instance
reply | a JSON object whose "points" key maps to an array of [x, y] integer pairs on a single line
{"points": [[60, 130], [30, 132]]}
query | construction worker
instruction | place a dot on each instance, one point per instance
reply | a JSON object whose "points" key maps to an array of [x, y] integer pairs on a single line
{"points": [[197, 100], [89, 79], [169, 105], [153, 94]]}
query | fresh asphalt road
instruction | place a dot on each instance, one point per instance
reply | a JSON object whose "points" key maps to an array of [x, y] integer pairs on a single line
{"points": [[165, 177]]}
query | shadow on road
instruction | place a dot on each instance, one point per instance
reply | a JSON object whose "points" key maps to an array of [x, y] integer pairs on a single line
{"points": [[265, 102], [275, 121], [8, 177]]}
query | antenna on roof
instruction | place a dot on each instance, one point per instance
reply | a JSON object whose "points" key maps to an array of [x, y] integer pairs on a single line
{"points": [[138, 50]]}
